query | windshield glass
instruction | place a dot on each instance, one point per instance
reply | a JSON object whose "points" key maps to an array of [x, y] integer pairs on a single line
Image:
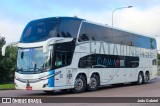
{"points": [[40, 30], [33, 60], [43, 29]]}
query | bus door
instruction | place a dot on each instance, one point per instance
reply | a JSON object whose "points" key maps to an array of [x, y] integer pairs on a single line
{"points": [[131, 65], [62, 59]]}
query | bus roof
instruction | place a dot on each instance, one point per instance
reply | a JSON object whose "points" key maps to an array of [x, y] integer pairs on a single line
{"points": [[60, 18], [80, 19]]}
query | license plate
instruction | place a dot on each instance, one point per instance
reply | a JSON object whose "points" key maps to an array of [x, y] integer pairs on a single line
{"points": [[28, 88]]}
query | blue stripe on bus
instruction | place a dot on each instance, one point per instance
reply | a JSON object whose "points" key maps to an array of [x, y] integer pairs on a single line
{"points": [[51, 79]]}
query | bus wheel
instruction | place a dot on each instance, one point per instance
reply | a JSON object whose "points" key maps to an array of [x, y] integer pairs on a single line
{"points": [[79, 84], [49, 92], [147, 78], [94, 83], [140, 79]]}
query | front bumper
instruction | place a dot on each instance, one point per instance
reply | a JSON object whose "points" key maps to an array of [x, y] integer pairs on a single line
{"points": [[41, 85]]}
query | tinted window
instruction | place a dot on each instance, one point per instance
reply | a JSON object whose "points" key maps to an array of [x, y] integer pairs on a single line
{"points": [[68, 28], [120, 37], [63, 54], [94, 32], [91, 32], [152, 43], [126, 38], [154, 62], [37, 31], [108, 61]]}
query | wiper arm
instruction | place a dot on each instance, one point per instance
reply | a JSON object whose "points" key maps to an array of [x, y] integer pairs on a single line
{"points": [[21, 69], [34, 69]]}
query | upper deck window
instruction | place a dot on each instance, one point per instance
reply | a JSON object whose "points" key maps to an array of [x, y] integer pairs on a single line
{"points": [[68, 28], [41, 30], [37, 31], [93, 32]]}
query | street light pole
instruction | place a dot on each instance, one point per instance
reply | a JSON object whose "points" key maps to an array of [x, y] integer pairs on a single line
{"points": [[118, 9]]}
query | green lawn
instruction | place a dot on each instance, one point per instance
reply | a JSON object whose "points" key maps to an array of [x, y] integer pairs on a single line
{"points": [[6, 86]]}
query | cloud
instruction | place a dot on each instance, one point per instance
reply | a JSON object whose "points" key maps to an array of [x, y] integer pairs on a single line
{"points": [[10, 30], [143, 18], [145, 22]]}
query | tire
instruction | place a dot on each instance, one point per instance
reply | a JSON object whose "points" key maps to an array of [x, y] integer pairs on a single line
{"points": [[48, 92], [94, 83], [146, 78], [79, 84], [140, 79]]}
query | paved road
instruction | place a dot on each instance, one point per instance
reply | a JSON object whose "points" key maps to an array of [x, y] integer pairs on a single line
{"points": [[147, 90]]}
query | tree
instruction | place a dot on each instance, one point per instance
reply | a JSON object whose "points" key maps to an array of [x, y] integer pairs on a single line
{"points": [[2, 41], [7, 63]]}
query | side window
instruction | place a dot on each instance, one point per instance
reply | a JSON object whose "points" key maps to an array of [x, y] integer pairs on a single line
{"points": [[154, 62], [131, 62], [62, 58], [68, 28], [108, 61], [123, 38], [85, 37], [86, 62], [87, 32], [152, 43], [63, 53], [93, 32]]}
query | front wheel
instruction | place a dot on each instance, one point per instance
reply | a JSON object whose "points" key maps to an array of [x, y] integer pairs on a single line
{"points": [[79, 84], [94, 83]]}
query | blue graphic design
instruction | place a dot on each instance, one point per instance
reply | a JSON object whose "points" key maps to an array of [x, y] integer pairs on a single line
{"points": [[107, 61], [51, 79]]}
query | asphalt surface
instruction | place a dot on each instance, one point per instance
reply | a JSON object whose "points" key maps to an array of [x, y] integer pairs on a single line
{"points": [[147, 90]]}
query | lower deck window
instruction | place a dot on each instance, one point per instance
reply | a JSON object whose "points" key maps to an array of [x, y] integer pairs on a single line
{"points": [[108, 61]]}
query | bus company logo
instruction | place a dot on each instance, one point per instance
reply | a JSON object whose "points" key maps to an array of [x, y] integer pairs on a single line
{"points": [[109, 62], [6, 100]]}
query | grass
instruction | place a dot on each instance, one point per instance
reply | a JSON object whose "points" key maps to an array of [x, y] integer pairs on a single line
{"points": [[7, 86]]}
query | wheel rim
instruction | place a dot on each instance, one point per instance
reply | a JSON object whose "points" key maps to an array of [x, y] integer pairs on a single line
{"points": [[93, 83], [78, 84]]}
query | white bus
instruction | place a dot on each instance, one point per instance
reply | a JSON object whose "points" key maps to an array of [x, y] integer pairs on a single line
{"points": [[72, 53]]}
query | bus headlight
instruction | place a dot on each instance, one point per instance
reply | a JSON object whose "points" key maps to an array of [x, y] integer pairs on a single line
{"points": [[48, 76]]}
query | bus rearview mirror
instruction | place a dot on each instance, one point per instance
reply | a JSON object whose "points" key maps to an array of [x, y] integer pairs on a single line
{"points": [[6, 45]]}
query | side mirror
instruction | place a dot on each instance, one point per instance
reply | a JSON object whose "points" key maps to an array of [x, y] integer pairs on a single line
{"points": [[5, 46]]}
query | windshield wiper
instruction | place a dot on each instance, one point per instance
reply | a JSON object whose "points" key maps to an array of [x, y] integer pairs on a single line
{"points": [[34, 69], [21, 69]]}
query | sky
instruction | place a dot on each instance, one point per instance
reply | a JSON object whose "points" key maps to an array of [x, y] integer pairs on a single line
{"points": [[143, 18]]}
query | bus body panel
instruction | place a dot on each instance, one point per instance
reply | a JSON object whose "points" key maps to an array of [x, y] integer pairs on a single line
{"points": [[115, 61]]}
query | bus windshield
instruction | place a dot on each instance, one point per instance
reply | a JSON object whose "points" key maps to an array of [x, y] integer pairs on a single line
{"points": [[33, 60], [43, 29], [37, 31]]}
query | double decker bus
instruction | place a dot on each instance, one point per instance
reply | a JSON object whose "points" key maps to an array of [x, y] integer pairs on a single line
{"points": [[71, 53]]}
